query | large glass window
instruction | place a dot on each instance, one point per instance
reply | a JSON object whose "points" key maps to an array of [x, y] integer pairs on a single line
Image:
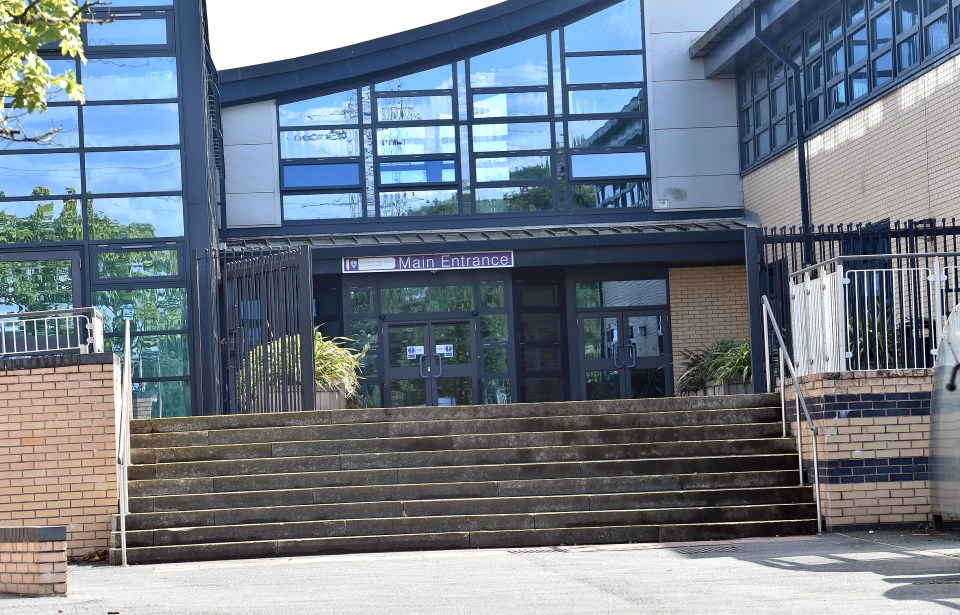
{"points": [[133, 171], [39, 174], [507, 130], [131, 125], [852, 49], [130, 79], [127, 32], [60, 121], [521, 64], [40, 221], [143, 217], [108, 184]]}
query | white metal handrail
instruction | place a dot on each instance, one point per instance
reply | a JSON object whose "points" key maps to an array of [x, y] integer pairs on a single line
{"points": [[51, 331], [801, 403], [123, 441], [872, 317]]}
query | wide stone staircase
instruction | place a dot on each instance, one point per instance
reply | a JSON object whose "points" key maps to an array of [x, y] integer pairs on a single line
{"points": [[341, 481]]}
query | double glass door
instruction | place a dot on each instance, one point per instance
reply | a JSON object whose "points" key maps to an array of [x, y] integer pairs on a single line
{"points": [[431, 363], [623, 354]]}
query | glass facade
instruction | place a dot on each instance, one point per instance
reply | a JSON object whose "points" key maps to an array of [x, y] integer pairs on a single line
{"points": [[107, 190], [555, 121], [853, 49]]}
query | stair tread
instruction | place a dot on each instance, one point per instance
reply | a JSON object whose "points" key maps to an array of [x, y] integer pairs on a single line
{"points": [[170, 425], [706, 426], [414, 485], [517, 515], [443, 423]]}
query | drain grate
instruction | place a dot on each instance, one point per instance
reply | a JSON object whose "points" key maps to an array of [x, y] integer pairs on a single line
{"points": [[706, 549], [951, 581], [537, 550]]}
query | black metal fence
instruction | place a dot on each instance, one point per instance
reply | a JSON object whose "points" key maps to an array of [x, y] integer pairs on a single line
{"points": [[268, 341], [785, 250]]}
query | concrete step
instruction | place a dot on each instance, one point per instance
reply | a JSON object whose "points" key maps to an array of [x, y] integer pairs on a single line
{"points": [[480, 489], [466, 540], [455, 442], [470, 506], [332, 417], [438, 427], [467, 523], [491, 456], [504, 472]]}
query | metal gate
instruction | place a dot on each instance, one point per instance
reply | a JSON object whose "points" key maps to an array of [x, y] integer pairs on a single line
{"points": [[268, 342]]}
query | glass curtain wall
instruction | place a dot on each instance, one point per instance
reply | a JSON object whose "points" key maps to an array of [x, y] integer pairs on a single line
{"points": [[854, 48], [556, 121], [108, 186]]}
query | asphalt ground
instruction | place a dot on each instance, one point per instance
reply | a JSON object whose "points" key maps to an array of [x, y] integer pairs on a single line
{"points": [[864, 573]]}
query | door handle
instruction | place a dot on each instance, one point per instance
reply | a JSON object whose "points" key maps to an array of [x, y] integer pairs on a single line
{"points": [[423, 375], [616, 354], [632, 351], [439, 366]]}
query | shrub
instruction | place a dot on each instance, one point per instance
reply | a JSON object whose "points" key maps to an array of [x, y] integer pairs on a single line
{"points": [[337, 365], [725, 358]]}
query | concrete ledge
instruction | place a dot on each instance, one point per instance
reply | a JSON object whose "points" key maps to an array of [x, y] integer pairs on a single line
{"points": [[38, 533], [60, 360], [33, 560]]}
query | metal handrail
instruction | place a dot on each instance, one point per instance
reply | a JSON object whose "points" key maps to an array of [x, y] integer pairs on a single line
{"points": [[872, 257], [784, 356], [53, 331], [123, 441]]}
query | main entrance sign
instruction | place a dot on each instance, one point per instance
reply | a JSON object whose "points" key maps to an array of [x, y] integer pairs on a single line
{"points": [[429, 262]]}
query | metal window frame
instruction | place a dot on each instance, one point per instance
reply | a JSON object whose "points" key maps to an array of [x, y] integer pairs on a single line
{"points": [[951, 11], [465, 159]]}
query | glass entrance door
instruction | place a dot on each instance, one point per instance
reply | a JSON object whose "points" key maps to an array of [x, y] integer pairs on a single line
{"points": [[38, 282], [623, 355], [431, 364]]}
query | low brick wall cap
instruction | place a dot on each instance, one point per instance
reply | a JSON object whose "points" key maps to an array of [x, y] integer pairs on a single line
{"points": [[33, 533], [60, 360]]}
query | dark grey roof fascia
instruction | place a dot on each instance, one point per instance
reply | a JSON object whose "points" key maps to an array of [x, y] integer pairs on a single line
{"points": [[731, 42], [715, 35], [454, 236], [402, 53]]}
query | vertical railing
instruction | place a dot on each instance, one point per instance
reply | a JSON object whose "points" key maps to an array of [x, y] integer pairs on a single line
{"points": [[770, 324], [123, 440], [267, 300], [782, 251], [885, 317]]}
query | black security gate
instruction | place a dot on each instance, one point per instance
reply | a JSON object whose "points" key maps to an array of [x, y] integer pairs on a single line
{"points": [[783, 249], [268, 341]]}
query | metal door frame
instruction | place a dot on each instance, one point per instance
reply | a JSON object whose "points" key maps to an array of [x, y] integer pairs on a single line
{"points": [[429, 325], [583, 365]]}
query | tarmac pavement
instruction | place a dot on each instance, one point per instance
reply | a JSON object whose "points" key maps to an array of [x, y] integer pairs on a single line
{"points": [[865, 573]]}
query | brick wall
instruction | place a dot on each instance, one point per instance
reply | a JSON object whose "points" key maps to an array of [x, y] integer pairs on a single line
{"points": [[874, 446], [57, 446], [33, 561], [706, 303], [897, 158]]}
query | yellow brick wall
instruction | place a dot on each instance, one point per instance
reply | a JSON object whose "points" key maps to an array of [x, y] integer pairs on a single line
{"points": [[706, 303], [33, 568], [873, 438], [58, 451], [898, 158], [773, 191]]}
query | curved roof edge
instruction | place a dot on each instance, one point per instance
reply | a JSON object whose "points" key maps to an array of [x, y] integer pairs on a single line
{"points": [[402, 53]]}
